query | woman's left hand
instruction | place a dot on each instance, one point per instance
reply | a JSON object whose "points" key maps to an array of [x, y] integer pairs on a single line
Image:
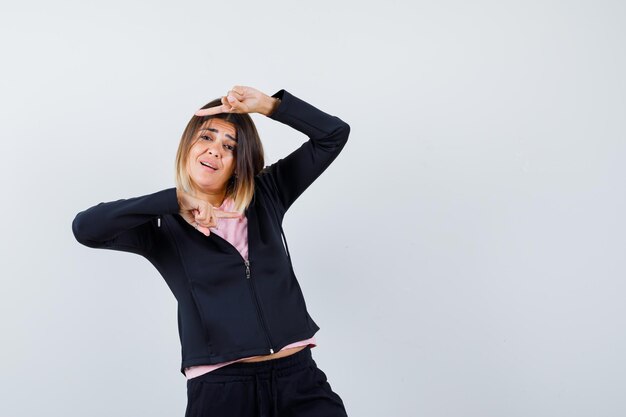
{"points": [[241, 99]]}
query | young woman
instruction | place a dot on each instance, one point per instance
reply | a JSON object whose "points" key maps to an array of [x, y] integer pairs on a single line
{"points": [[217, 240]]}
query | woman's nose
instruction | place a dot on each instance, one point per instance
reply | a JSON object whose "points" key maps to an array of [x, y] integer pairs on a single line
{"points": [[213, 150]]}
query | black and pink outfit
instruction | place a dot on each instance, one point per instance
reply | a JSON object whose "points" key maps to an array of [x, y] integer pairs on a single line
{"points": [[237, 293]]}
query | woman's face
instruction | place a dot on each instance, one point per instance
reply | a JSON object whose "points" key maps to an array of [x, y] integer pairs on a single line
{"points": [[211, 160]]}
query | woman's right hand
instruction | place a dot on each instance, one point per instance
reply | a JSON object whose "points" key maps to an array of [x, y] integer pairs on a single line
{"points": [[201, 214]]}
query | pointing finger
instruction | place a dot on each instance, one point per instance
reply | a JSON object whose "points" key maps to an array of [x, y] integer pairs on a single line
{"points": [[211, 110], [227, 214]]}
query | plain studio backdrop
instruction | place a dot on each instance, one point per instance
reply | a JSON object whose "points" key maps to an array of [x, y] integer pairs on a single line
{"points": [[463, 256]]}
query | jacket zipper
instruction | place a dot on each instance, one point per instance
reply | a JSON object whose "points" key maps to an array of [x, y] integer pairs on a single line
{"points": [[258, 307], [251, 286]]}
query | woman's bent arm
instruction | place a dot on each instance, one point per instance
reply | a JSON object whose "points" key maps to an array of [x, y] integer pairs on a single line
{"points": [[327, 136], [128, 225]]}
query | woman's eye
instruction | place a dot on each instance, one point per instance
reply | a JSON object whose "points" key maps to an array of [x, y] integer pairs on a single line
{"points": [[207, 137]]}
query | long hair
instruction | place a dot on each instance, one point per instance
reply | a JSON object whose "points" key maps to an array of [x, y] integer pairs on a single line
{"points": [[249, 155]]}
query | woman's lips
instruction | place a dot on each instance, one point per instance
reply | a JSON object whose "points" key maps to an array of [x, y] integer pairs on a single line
{"points": [[207, 167]]}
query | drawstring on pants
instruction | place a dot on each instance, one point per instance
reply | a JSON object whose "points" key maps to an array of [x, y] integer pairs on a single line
{"points": [[273, 391], [240, 380]]}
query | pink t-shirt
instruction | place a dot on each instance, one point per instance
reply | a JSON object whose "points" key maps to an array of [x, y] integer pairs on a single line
{"points": [[235, 231]]}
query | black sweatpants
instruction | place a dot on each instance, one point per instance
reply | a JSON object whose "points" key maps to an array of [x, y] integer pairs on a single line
{"points": [[291, 386]]}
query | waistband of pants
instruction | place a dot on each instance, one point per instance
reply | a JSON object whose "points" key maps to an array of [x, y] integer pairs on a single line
{"points": [[285, 364]]}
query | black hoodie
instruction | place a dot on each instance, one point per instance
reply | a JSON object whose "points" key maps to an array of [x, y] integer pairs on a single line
{"points": [[228, 308]]}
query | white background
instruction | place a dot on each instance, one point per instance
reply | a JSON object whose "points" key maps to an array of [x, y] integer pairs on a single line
{"points": [[463, 256]]}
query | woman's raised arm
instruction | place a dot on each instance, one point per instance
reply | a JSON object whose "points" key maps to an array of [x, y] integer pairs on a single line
{"points": [[328, 134]]}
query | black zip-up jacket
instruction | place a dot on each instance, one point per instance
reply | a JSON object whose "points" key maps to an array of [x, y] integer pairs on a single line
{"points": [[228, 308]]}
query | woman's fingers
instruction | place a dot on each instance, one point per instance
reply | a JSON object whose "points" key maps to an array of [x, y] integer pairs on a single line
{"points": [[204, 230], [210, 219], [207, 220], [211, 111], [230, 108], [204, 226], [226, 107], [227, 214], [229, 105], [190, 217], [237, 92], [238, 99], [234, 103], [201, 214]]}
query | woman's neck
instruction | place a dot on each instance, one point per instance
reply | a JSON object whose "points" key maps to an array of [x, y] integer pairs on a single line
{"points": [[214, 199]]}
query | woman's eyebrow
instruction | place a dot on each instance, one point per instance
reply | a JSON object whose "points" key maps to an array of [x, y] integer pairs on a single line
{"points": [[211, 129]]}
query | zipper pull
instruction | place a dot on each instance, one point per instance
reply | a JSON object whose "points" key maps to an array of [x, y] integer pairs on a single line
{"points": [[158, 221], [247, 269], [271, 350]]}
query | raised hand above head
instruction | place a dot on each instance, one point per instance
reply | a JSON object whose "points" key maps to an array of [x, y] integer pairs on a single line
{"points": [[242, 99]]}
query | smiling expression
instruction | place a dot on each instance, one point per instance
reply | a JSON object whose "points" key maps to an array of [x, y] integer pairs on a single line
{"points": [[212, 158]]}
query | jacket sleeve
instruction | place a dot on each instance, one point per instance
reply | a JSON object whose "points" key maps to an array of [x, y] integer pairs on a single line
{"points": [[328, 134], [129, 225]]}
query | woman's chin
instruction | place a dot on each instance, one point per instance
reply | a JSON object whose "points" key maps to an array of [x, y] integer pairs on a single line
{"points": [[210, 186]]}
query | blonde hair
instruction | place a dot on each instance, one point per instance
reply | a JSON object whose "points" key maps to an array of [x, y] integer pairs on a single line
{"points": [[249, 156]]}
